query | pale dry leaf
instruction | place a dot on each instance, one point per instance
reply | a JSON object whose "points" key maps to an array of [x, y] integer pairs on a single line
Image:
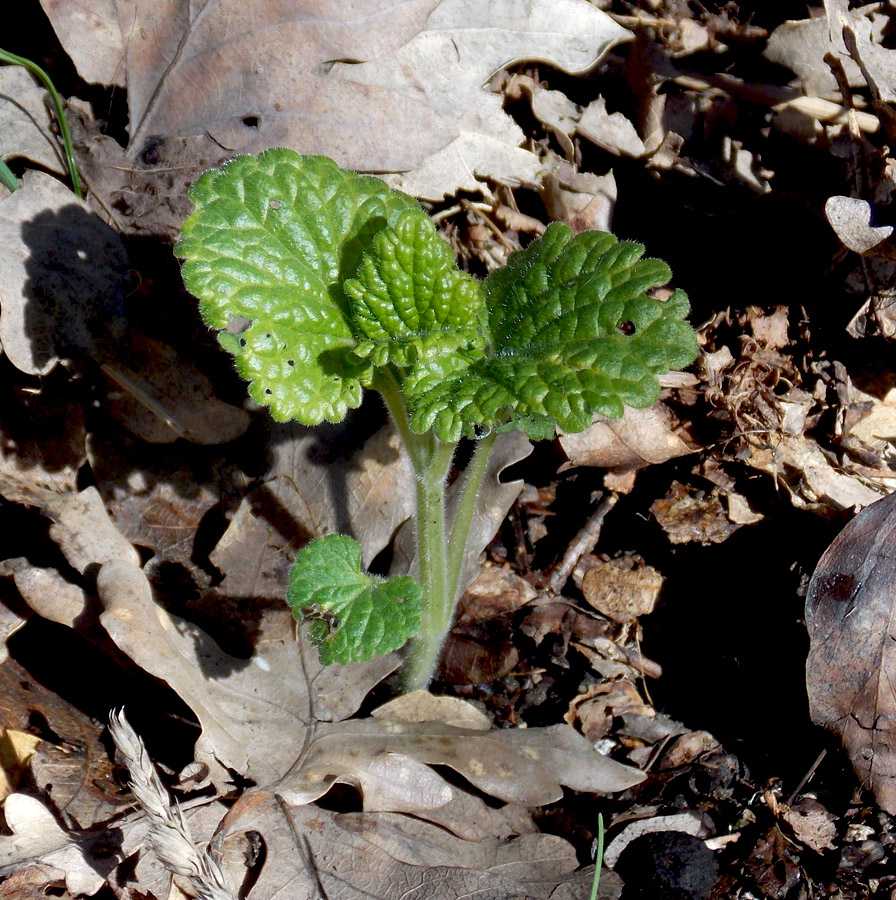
{"points": [[802, 44], [38, 838], [463, 45], [254, 712], [10, 622], [389, 856], [60, 275], [91, 36], [640, 438], [25, 123], [48, 593], [612, 132], [853, 221], [812, 824], [264, 71], [523, 766], [582, 200], [80, 523], [422, 706], [558, 113], [812, 480]]}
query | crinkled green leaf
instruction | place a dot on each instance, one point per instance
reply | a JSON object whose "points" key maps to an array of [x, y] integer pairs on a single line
{"points": [[353, 615], [272, 239], [410, 301], [572, 333]]}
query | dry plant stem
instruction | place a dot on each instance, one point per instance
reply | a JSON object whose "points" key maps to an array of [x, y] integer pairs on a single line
{"points": [[583, 543], [169, 836]]}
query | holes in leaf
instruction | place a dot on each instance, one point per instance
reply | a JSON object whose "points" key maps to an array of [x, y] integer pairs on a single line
{"points": [[268, 391], [251, 121], [291, 363], [627, 328], [275, 204], [242, 342]]}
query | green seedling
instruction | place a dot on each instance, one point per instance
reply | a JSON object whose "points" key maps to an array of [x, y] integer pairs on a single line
{"points": [[6, 176], [346, 285]]}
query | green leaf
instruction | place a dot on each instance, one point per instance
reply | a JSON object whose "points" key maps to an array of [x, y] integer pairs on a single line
{"points": [[353, 615], [410, 300], [272, 239], [572, 333]]}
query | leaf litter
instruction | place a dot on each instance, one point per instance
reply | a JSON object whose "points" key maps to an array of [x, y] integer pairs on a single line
{"points": [[152, 513]]}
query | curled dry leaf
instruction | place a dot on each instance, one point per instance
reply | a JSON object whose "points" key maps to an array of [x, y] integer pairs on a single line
{"points": [[642, 437], [619, 588], [850, 616]]}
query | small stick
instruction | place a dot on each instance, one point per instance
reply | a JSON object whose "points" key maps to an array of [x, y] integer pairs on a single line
{"points": [[583, 543], [807, 777]]}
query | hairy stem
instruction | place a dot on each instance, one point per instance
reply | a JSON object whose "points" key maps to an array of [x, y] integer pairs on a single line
{"points": [[438, 594], [463, 520]]}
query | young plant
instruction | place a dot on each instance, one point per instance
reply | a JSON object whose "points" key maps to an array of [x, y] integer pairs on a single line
{"points": [[346, 285]]}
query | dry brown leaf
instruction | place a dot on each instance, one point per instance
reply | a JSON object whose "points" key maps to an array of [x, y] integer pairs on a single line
{"points": [[60, 275], [812, 824], [91, 35], [619, 588], [71, 766], [801, 46], [582, 200], [688, 515], [47, 592], [250, 77], [38, 838], [612, 132], [640, 438], [812, 480], [525, 766], [390, 856], [328, 485], [849, 672], [26, 130], [80, 523], [254, 712]]}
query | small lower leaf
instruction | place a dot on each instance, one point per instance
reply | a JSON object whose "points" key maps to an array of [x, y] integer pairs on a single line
{"points": [[353, 615]]}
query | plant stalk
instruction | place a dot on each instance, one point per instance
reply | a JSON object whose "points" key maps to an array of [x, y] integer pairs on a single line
{"points": [[438, 594]]}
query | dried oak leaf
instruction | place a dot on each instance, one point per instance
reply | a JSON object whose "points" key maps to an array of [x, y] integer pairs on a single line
{"points": [[851, 669], [356, 856], [255, 712], [414, 97]]}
